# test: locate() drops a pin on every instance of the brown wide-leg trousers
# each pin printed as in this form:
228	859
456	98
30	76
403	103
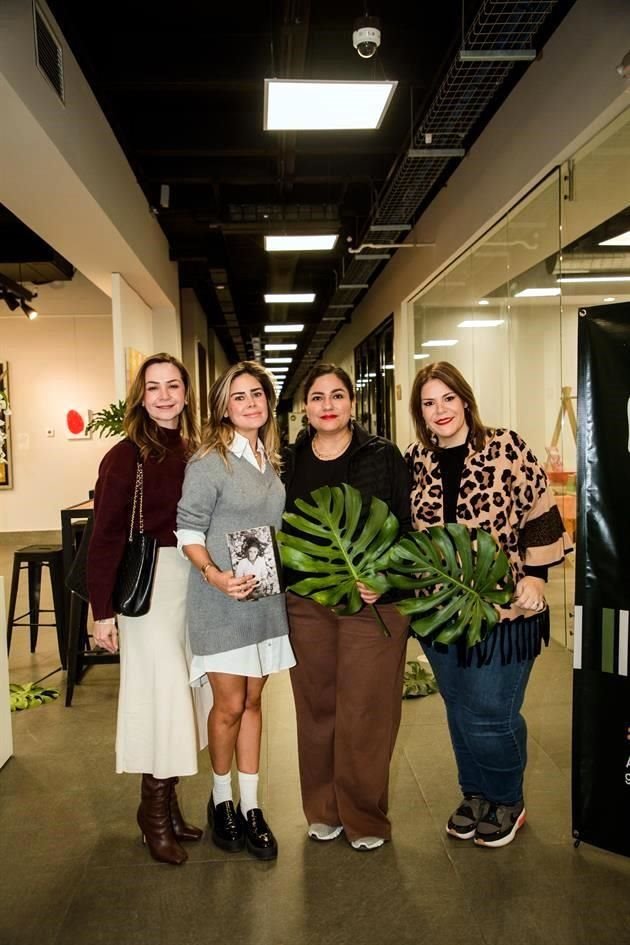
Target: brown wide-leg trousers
347	686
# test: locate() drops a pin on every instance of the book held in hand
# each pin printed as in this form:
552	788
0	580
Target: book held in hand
254	551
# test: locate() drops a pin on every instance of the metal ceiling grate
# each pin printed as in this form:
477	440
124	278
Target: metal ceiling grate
465	93
48	52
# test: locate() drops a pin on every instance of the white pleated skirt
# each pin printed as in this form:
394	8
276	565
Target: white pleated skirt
156	729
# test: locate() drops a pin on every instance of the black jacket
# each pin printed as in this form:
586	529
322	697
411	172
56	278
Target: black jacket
376	468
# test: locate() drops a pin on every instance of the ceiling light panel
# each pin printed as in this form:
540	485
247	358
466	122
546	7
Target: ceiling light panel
300	244
283	328
536	293
481	323
439	343
275	347
278	360
305	105
622	240
289	297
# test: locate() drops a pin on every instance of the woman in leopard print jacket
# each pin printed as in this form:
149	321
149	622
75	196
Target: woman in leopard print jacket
483	478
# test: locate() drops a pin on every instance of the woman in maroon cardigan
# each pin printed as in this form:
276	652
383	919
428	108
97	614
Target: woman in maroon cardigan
156	734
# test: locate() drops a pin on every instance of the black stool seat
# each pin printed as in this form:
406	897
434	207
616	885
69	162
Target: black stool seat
33	558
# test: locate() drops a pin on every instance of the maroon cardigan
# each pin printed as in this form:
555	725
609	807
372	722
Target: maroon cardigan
113	499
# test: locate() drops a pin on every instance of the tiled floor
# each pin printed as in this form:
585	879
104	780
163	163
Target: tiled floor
73	870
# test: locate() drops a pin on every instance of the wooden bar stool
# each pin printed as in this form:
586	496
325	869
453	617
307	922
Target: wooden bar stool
80	654
33	558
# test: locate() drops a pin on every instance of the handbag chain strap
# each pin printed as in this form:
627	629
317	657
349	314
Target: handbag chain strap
137	501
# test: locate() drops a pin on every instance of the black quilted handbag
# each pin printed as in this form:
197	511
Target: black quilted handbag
134	581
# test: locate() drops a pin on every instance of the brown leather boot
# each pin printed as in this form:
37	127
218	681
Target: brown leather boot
154	820
181	829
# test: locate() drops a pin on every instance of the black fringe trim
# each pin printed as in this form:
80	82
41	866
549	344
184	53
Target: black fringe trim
519	640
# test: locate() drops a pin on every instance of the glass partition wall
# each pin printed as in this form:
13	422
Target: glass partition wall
505	313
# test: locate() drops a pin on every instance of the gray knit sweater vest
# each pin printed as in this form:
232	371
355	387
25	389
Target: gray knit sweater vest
217	499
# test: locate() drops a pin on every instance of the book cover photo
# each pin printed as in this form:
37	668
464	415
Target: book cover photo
254	551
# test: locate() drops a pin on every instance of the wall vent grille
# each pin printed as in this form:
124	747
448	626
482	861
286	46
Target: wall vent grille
48	52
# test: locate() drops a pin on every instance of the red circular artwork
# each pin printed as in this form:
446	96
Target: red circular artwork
74	422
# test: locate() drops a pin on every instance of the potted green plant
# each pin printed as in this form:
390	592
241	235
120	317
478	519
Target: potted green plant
109	420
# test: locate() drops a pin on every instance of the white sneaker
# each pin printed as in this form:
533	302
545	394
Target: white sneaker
323	832
367	843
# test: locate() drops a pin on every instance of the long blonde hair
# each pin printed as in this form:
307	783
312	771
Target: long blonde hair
449	375
145	432
218	431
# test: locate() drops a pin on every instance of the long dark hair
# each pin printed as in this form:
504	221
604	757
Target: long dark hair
322	369
449	375
142	429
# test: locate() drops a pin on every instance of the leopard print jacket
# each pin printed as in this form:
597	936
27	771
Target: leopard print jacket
503	490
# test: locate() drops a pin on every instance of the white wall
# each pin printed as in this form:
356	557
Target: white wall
132	321
195	329
54	363
567	95
6	732
75	188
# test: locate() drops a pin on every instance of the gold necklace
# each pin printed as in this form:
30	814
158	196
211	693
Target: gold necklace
327	456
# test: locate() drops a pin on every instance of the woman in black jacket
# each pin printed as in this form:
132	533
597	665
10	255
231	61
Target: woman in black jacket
347	683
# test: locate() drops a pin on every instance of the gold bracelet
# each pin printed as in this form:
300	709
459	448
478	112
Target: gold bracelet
208	564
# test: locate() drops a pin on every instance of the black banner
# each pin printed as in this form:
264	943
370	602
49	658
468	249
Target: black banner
601	684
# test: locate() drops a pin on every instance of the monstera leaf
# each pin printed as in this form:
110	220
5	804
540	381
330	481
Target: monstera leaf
29	695
460	579
109	420
346	554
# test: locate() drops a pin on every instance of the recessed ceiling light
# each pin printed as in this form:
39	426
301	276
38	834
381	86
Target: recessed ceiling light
418	357
305	105
481	323
301	244
283	328
388	367
537	293
622	240
594	279
280	347
439	343
289	297
610	298
278	360
483	302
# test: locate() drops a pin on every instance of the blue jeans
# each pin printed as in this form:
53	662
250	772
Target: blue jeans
488	732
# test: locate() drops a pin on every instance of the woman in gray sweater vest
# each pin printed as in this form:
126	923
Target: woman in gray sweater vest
237	639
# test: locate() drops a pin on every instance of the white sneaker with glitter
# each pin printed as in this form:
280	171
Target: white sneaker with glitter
323	832
367	843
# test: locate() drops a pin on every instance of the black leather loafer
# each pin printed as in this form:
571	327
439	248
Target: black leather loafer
259	839
227	828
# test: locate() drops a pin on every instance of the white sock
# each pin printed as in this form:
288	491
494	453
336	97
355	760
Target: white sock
248	789
221	787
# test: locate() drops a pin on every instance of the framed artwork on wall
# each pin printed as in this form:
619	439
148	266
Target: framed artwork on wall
6	469
77	420
133	360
